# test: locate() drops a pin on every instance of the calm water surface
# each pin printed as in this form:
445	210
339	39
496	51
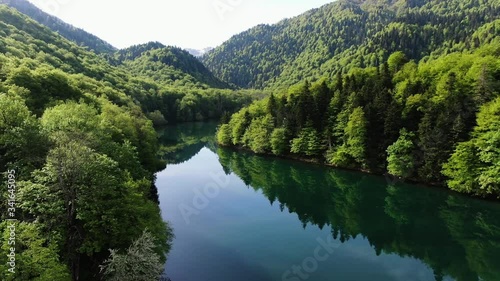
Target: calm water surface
241	217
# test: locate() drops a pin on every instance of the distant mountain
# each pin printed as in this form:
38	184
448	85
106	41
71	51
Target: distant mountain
346	34
133	52
167	64
168	83
77	35
199	53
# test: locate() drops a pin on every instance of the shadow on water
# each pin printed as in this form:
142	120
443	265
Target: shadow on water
455	235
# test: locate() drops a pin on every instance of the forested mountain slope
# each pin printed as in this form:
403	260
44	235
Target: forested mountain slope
169	65
436	121
23	38
79	150
77	35
79	154
347	34
166	65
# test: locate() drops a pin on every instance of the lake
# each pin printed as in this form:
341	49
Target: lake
242	217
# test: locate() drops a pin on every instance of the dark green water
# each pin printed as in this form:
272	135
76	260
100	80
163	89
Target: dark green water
241	217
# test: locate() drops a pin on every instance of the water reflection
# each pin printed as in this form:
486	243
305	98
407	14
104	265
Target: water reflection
458	237
455	235
181	142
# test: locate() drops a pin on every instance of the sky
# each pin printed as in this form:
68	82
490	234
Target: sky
193	24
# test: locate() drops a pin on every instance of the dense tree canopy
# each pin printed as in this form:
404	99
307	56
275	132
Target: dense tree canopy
409	88
346	34
404	118
78	132
474	167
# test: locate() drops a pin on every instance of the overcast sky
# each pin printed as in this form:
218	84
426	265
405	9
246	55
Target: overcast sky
184	23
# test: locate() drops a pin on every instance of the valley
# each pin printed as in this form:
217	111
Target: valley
152	162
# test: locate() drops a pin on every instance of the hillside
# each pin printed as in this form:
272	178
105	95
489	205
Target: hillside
346	34
166	64
24	39
77	35
435	121
77	134
82	152
163	64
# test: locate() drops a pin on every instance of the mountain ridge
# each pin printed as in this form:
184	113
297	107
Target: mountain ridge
78	35
344	35
166	64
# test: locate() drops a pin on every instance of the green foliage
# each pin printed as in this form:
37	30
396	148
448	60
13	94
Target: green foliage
436	100
279	141
340	157
307	142
76	131
39	258
462	169
400	159
355	132
352	153
474	167
239	123
22	144
157	118
396	61
257	136
224	135
348	34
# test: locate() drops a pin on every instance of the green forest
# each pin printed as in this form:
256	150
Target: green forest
79	145
346	34
407	88
436	121
413	94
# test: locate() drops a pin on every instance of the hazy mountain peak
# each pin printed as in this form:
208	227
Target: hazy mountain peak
199	52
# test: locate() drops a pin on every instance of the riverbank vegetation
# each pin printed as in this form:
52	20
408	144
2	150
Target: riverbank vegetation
434	121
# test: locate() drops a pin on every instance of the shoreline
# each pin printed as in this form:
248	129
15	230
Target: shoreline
315	161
